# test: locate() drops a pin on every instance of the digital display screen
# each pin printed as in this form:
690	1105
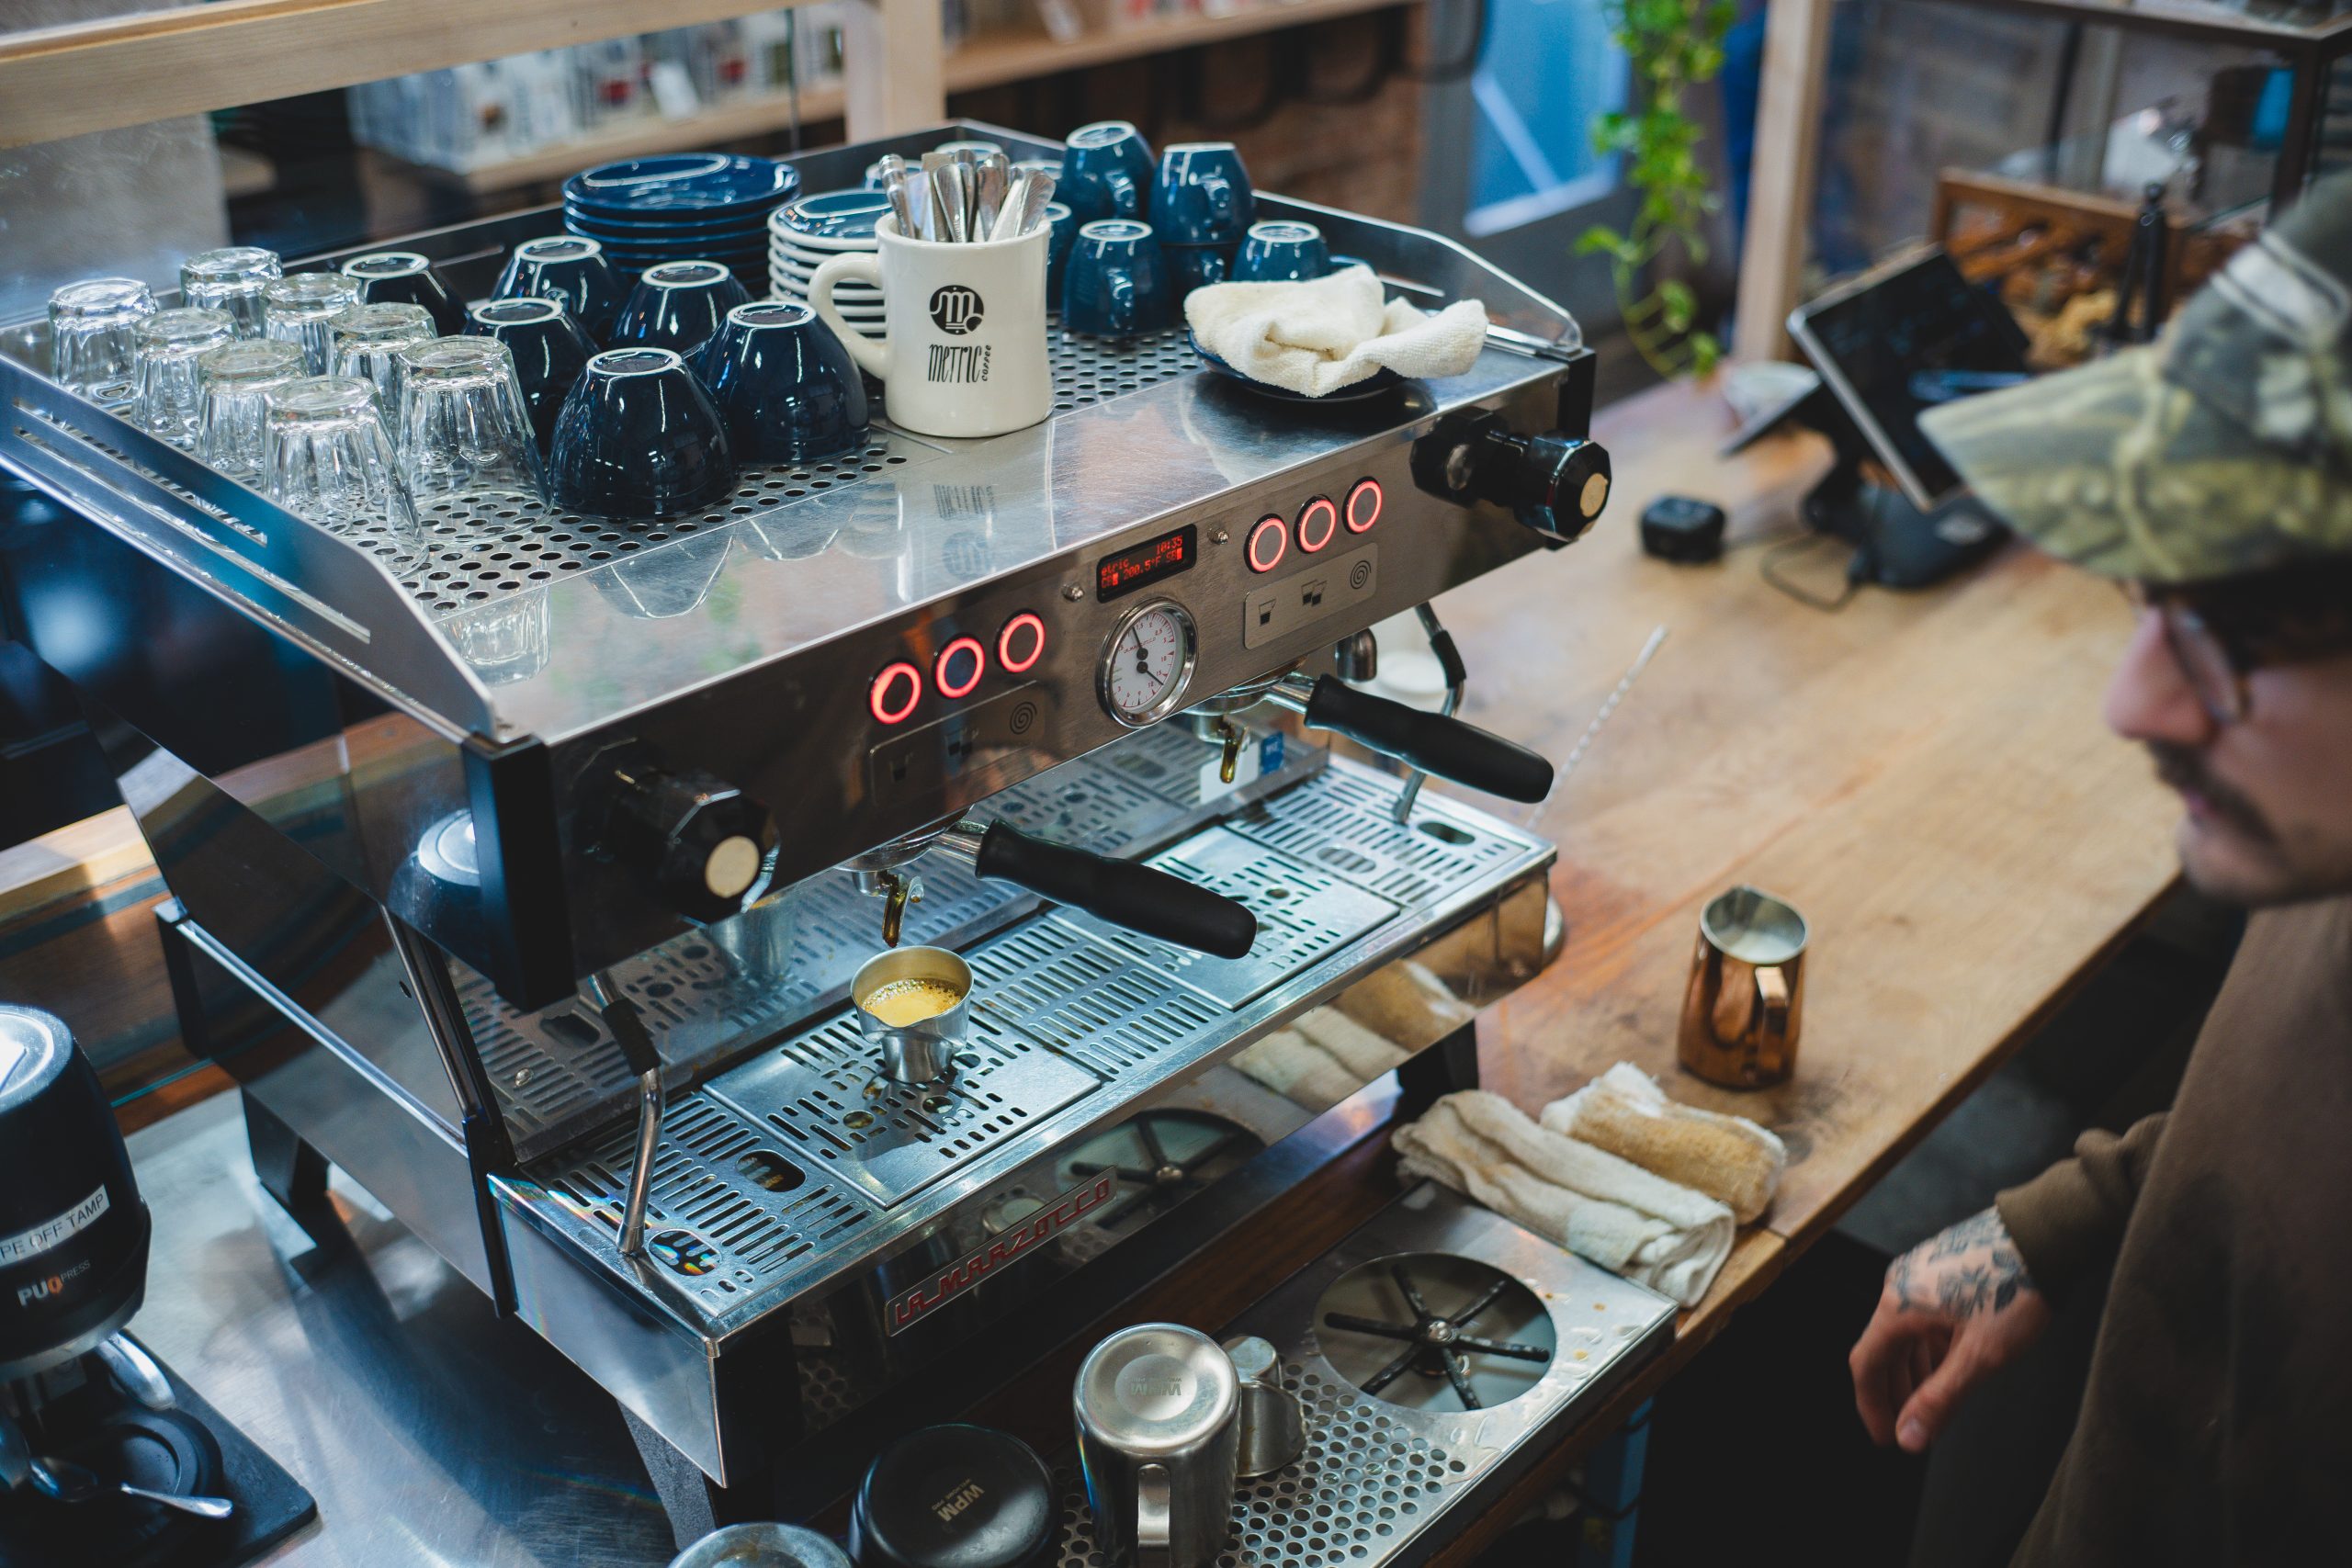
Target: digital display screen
1131	569
1919	337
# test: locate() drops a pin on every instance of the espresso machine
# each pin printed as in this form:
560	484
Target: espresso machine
528	887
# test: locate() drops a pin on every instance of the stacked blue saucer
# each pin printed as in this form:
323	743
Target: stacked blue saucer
680	206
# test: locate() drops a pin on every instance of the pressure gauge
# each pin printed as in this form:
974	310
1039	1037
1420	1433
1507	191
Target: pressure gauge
1148	663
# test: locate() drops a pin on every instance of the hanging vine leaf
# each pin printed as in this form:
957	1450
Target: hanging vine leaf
1671	46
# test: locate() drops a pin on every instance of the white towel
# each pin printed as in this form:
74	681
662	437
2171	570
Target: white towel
1320	1060
1591	1203
1327	333
1729	1159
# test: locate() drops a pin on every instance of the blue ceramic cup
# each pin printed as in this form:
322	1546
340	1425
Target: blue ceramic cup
1106	172
1202	196
1281	251
1117	283
1057	249
549	349
569	268
787	388
638	437
1197	266
404	277
678	306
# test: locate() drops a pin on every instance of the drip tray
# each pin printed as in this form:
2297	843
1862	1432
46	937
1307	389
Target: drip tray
1393	1448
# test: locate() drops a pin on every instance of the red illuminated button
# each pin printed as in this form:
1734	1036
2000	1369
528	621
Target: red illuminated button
1363	506
1021	642
1316	523
957	669
895	693
1268	540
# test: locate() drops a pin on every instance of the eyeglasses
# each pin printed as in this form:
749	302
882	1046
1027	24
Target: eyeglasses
2220	634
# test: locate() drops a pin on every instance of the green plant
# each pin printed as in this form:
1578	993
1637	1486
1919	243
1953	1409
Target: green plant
1672	46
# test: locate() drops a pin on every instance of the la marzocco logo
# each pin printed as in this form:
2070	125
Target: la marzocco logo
911	1306
955	310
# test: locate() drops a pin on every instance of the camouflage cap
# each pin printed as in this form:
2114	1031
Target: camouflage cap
2224	449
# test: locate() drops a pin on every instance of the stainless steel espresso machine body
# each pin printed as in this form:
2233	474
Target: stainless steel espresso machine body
528	886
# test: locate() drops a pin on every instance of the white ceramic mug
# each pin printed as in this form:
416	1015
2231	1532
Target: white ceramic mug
964	346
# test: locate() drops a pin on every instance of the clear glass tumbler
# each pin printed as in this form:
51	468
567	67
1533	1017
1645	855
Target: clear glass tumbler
230	279
301	309
236	380
325	458
89	336
368	340
165	349
465	433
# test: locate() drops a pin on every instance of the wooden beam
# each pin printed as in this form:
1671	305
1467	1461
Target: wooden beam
1780	185
892	59
101	76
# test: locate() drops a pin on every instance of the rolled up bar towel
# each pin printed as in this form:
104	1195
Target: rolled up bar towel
1325	333
1729	1159
1597	1206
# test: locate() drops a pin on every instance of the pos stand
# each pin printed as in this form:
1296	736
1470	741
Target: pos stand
1896	544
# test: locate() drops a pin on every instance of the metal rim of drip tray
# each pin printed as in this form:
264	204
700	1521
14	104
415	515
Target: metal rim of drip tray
1075	1026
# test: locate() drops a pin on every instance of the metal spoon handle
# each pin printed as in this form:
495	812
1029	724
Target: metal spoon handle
203	1508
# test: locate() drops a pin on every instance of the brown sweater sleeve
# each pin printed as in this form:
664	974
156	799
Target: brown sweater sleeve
2068	1221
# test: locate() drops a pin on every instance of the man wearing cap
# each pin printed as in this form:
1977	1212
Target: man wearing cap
2210	476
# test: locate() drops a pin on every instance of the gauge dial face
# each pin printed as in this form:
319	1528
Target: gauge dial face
1148	663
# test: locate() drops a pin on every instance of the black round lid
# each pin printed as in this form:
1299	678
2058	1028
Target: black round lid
954	1497
34	1047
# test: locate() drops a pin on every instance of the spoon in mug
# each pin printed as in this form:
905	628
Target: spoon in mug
65	1482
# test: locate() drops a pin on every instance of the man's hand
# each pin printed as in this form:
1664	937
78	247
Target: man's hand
1955	1307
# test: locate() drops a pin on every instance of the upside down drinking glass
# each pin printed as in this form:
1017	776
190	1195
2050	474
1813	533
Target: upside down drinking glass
230	279
464	429
90	324
237	379
325	458
167	348
301	309
367	341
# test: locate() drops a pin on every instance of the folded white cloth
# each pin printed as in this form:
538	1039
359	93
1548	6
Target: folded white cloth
1729	1159
1327	333
1591	1203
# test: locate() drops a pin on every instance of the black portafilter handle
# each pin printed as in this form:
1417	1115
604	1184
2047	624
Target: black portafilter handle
1444	748
1124	892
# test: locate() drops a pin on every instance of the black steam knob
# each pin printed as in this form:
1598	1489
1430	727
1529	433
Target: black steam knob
702	842
1556	484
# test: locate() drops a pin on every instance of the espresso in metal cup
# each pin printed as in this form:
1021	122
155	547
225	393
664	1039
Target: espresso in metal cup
1746	1002
913	1003
1158	1411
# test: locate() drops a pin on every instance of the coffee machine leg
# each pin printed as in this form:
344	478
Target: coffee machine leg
695	1504
291	1171
1452	1063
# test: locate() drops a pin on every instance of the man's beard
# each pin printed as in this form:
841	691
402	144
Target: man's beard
2184	769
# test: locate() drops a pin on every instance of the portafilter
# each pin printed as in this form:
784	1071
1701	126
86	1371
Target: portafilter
72	1231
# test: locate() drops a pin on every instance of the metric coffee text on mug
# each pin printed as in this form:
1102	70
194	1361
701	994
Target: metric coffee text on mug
1131	569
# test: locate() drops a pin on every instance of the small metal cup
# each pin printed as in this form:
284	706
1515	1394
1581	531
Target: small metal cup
761	1546
1273	1429
921	1052
1745	1003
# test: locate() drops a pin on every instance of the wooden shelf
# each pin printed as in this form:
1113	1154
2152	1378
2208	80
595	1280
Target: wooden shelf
640	138
990	62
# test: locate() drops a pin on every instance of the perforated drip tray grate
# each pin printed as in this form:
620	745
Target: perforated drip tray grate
1072	1023
824	1092
1346	827
1302	915
1380	1468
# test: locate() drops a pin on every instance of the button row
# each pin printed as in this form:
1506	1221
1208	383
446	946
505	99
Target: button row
956	669
1318	522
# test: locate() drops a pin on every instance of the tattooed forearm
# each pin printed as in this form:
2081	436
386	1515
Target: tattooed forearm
1970	1269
